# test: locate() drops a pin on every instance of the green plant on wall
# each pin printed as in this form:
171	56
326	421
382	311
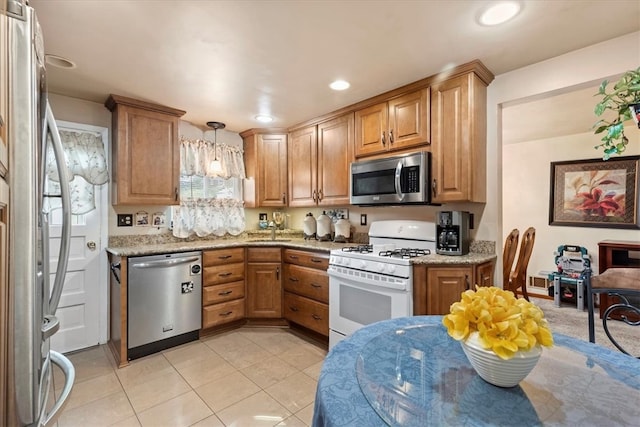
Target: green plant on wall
625	94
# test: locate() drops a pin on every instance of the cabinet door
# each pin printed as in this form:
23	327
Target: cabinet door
147	158
4	97
335	154
303	161
484	274
371	130
272	159
458	140
264	291
444	286
409	120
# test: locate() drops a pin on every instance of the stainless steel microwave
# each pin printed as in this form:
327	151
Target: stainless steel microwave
396	180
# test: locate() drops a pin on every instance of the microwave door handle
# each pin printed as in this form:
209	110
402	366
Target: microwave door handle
398	176
65	238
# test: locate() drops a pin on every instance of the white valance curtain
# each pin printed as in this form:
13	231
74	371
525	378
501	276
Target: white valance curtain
209	216
87	166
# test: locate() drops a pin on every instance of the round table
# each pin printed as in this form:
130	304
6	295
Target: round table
409	372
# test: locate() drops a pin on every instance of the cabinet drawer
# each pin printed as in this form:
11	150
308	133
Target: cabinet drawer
222	313
220	293
222	256
264	255
307	282
223	274
306	312
307	259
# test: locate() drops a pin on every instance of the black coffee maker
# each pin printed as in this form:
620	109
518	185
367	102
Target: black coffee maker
452	232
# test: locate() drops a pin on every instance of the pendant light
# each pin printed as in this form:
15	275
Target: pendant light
216	165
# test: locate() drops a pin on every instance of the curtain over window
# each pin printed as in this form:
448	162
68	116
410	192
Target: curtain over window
87	166
210	190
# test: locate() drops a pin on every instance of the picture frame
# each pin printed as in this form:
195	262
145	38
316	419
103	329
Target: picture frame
142	219
595	193
158	219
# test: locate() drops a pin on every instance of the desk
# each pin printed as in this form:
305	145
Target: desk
421	377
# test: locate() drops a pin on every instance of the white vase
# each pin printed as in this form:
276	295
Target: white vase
497	371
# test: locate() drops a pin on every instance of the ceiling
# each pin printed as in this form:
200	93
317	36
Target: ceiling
231	60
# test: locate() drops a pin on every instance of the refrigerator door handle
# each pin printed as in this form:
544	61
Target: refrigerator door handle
65	238
69	377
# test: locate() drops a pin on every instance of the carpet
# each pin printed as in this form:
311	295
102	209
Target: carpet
567	320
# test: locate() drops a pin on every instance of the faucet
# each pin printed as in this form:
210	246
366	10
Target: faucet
272	226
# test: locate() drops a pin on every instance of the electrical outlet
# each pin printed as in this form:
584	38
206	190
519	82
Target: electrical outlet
363	219
125	220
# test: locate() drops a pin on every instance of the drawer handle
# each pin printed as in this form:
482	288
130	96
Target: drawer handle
228	313
224	257
225	293
293	257
293	308
316	317
315	285
225	274
316	260
294	279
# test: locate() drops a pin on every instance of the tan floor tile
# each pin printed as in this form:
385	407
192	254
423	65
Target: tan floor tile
246	356
204	371
294	392
306	414
103	412
129	422
93	389
226	391
257	410
269	372
183	410
314	370
144	369
301	357
292	421
279	343
211	421
228	341
188	354
94	364
158	390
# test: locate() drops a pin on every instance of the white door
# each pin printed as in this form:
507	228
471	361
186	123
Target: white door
83	308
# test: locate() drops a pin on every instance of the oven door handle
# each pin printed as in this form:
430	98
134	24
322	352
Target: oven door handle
398	176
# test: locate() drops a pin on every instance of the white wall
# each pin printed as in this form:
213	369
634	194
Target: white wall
588	65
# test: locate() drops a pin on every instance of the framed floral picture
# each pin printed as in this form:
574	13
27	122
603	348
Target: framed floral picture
595	193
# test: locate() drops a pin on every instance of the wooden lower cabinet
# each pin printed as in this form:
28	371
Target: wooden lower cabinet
223	286
436	287
306	289
264	288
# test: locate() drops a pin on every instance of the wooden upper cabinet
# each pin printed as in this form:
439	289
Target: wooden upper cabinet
319	159
399	123
458	139
265	158
146	152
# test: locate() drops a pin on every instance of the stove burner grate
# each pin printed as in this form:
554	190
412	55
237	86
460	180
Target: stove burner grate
362	249
405	253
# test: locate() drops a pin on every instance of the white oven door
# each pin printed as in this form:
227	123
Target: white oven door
354	304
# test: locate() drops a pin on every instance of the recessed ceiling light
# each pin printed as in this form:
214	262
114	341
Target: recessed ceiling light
59	61
500	13
264	118
340	85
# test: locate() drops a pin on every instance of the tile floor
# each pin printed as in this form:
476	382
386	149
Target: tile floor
247	377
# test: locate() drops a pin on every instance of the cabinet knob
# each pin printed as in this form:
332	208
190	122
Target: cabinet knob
225	293
177	194
284	199
382	138
316	317
433	187
319	195
293	308
228	313
391	136
277	273
467	285
314	196
315	285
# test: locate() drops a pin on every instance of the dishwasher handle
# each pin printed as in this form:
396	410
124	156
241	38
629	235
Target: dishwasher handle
115	267
164	263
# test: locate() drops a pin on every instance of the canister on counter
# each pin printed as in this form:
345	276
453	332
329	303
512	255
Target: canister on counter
323	227
309	227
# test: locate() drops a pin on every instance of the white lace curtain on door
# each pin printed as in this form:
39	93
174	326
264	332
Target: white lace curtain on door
204	210
87	167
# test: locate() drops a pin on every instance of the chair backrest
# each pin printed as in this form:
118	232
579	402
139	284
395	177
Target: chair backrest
509	255
519	276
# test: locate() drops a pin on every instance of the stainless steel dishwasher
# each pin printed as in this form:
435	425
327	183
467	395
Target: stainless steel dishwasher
164	304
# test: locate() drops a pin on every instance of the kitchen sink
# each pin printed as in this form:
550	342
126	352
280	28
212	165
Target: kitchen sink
269	240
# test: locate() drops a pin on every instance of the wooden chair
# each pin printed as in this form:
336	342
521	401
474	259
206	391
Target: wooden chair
518	278
509	255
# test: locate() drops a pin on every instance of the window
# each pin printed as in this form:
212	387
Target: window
199	187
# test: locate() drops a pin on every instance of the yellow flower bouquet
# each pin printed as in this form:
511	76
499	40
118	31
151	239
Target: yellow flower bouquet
505	324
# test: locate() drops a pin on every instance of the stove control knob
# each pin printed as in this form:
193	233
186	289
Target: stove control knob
391	268
345	261
380	267
362	264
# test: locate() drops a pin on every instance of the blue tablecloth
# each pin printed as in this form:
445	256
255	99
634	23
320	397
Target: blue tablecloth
420	376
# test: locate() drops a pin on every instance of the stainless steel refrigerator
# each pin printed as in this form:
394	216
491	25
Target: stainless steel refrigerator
33	300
